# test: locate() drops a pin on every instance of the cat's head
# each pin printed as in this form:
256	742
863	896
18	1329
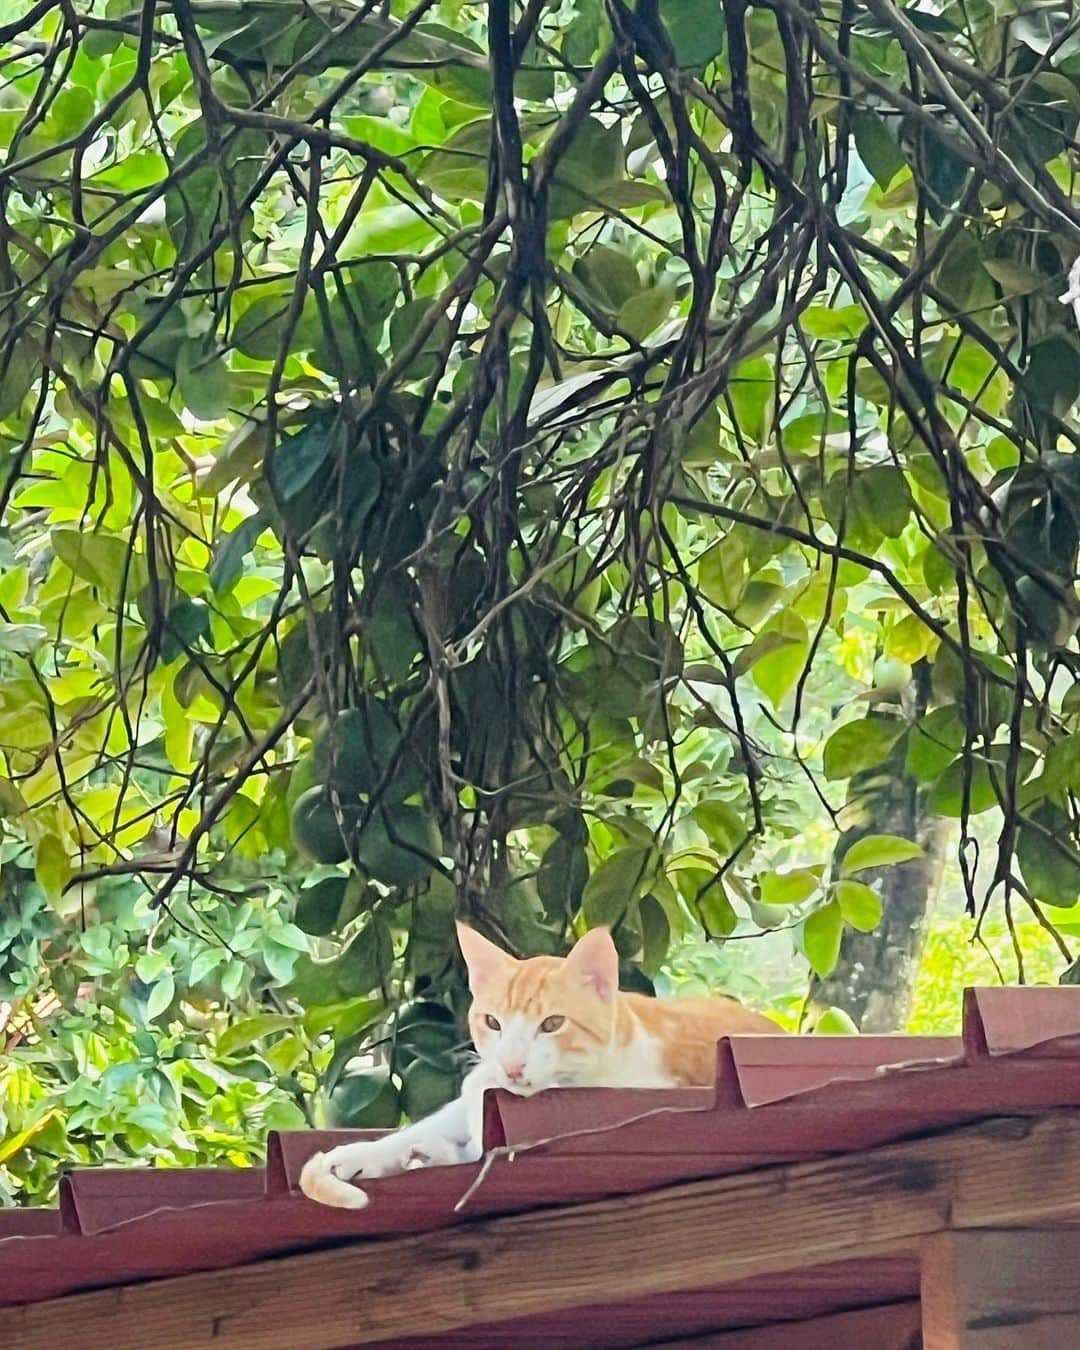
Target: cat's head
543	1022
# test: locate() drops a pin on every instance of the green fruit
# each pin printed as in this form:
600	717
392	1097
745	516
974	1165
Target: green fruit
891	673
315	829
395	845
425	1087
365	1101
365	963
304	776
355	754
318	907
572	580
1048	620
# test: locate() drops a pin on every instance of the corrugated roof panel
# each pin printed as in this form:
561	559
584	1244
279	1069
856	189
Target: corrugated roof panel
777	1099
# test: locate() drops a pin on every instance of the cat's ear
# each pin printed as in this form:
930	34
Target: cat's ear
595	962
483	959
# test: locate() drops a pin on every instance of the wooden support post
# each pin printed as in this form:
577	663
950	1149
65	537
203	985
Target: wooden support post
1001	1289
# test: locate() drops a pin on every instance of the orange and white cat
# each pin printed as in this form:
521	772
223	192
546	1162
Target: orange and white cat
547	1022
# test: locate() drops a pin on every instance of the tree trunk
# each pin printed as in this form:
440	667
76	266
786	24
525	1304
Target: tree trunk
875	976
874	979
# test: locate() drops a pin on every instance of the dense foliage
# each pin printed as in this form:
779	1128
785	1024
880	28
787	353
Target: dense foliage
521	461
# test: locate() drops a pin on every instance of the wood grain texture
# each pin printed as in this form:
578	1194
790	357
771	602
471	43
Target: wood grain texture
1002	1290
892	1327
995	1174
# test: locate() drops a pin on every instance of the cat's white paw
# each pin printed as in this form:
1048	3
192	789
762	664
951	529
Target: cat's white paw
327	1176
320	1180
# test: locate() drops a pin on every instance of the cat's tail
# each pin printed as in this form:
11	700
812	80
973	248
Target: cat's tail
320	1182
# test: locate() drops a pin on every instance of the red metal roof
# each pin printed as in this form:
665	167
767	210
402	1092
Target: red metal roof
777	1099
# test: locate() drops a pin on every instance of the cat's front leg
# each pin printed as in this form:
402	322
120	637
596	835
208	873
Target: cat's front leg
450	1135
327	1177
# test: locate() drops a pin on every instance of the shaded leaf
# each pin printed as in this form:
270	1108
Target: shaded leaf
788	888
822	933
859	745
878	850
860	906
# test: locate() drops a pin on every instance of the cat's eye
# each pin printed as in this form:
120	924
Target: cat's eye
492	1022
550	1024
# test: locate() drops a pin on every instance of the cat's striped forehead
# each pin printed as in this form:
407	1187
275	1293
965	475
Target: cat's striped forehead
529	988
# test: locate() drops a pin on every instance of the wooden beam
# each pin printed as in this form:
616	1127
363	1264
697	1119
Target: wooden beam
995	1174
893	1326
999	1290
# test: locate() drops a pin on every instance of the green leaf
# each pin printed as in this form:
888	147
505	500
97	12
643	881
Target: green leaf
1047	853
202	380
696	29
242	1035
822	933
788	888
655	934
344	1019
404	323
877	146
52	867
15	1143
988	778
365	963
710	899
589	171
751	391
646	311
1013	277
609	274
151	965
22	639
933	743
722	572
859	745
835	1022
185	624
70	111
161	996
777	674
945	173
259	330
105	560
909	640
844	322
614	885
296	461
878	850
203	965
318	906
1051	380
425	1086
724	826
765	645
230	552
562	877
860	906
880	501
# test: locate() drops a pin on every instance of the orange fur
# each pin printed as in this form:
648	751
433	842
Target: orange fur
600	1030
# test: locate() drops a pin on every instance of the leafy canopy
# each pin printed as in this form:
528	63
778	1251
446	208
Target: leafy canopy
511	461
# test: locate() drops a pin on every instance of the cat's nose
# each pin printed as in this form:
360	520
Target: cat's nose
514	1069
